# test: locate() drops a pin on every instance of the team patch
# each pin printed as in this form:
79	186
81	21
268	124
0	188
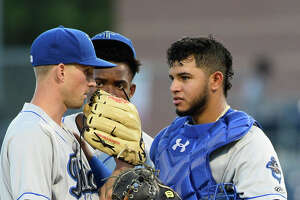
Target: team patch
274	167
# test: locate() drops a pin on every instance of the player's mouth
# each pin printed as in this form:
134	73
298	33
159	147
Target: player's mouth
177	100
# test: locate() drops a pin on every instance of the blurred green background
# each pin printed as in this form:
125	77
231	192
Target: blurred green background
21	22
24	20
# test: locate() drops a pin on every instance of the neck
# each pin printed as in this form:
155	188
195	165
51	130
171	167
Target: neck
213	111
48	99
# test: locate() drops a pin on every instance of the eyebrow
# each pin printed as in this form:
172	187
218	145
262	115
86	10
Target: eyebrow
180	74
100	79
121	81
183	73
105	79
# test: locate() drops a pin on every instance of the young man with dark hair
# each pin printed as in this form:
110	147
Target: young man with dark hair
117	81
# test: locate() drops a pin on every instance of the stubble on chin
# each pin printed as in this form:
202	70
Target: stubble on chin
196	108
182	113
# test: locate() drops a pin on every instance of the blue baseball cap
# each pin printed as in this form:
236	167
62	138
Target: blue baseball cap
112	36
65	45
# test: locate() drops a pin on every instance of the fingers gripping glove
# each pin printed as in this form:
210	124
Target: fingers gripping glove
114	127
141	184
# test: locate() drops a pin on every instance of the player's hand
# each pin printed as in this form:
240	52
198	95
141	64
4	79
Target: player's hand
114	127
105	192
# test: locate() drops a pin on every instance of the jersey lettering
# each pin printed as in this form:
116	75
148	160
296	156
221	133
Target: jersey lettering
84	178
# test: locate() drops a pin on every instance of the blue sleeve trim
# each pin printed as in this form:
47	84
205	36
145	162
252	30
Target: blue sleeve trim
99	170
40	195
106	159
264	195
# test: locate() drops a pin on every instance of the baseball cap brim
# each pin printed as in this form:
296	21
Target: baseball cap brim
97	63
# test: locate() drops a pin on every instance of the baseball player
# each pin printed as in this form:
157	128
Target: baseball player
40	158
212	151
117	81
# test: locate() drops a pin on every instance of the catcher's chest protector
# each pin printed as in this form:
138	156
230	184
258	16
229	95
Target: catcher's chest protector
184	164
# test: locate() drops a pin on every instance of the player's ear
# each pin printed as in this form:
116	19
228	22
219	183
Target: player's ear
132	90
216	80
60	72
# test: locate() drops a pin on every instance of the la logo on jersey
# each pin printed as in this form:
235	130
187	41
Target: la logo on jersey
180	145
85	183
273	165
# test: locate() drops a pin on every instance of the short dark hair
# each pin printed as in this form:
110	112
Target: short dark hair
115	51
208	53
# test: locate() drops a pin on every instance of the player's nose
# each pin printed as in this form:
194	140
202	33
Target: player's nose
110	89
92	83
175	86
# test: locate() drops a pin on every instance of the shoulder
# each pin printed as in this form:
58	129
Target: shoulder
256	139
255	154
25	126
27	135
250	144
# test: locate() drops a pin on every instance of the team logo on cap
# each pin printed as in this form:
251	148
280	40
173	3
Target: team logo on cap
107	34
273	165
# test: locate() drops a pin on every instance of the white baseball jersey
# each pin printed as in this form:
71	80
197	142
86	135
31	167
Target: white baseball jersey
109	161
252	164
40	160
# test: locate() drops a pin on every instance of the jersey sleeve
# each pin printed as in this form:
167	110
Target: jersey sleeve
257	171
100	171
30	160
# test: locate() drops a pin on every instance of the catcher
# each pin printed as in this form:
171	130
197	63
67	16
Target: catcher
113	126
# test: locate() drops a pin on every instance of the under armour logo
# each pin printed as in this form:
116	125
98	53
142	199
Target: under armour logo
178	144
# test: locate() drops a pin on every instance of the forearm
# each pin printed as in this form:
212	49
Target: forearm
100	171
